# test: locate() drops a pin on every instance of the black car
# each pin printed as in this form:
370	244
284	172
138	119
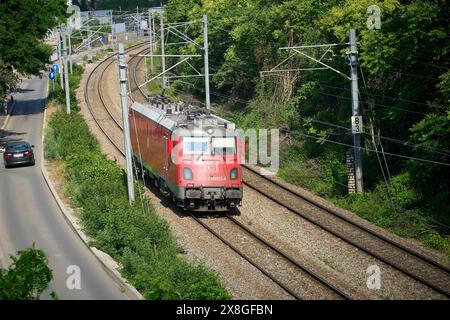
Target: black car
18	152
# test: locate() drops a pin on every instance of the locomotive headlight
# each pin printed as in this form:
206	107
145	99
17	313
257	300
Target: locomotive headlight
187	174
234	173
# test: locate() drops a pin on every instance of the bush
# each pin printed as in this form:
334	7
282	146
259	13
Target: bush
436	241
67	135
28	276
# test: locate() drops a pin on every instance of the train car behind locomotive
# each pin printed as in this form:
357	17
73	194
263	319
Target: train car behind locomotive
192	156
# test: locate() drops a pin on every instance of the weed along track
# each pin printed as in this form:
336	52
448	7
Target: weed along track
297	279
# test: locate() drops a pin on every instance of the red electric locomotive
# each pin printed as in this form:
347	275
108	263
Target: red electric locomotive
192	156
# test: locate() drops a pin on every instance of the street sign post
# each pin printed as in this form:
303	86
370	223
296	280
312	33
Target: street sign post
52	76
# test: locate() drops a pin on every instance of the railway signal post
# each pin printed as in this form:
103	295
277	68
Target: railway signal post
126	124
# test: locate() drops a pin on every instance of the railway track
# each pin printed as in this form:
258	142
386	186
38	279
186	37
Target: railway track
292	268
431	273
415	265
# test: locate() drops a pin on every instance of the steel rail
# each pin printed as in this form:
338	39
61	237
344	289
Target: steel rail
347	240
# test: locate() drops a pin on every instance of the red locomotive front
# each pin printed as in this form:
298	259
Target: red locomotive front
195	158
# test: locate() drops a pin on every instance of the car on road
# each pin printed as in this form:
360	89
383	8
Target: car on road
18	152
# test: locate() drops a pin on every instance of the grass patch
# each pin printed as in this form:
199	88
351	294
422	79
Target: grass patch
333	265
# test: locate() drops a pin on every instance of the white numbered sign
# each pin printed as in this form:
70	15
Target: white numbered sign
357	125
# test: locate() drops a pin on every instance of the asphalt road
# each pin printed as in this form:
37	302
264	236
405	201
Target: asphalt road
29	213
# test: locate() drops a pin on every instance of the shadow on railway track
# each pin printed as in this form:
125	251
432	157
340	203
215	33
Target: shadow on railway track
168	203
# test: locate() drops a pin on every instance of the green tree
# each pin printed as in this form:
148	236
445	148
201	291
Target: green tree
23	25
27	277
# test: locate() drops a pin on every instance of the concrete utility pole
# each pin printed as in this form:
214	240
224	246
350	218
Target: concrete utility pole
150	33
70	52
205	47
356	112
138	17
66	71
154	32
163	57
126	124
112	26
58	39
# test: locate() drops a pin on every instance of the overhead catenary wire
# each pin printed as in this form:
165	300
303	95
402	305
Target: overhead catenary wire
377	95
393	140
371	150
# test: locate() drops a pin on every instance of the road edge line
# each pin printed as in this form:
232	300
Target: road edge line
71	220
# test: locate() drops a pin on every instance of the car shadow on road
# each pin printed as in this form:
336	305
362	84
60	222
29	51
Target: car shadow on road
4	134
20	90
28	107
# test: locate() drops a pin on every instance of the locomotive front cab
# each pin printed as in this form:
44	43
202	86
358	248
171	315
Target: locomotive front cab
210	171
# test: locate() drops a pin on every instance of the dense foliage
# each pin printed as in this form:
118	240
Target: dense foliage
124	5
23	25
27	277
404	83
133	235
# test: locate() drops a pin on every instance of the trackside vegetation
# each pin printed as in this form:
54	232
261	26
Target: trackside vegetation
135	235
404	82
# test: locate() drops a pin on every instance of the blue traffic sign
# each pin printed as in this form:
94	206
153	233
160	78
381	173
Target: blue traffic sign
55	68
101	39
51	75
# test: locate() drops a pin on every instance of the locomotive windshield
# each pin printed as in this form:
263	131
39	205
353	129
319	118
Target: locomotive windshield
209	145
223	146
196	145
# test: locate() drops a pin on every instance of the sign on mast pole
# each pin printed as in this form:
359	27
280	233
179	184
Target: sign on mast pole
126	124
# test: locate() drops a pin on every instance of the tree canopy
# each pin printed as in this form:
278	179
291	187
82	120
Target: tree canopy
27	277
23	26
404	82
